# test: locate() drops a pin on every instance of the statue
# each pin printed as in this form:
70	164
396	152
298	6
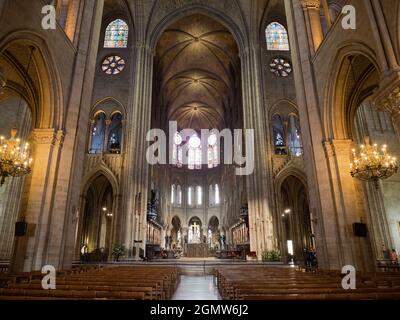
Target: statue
152	206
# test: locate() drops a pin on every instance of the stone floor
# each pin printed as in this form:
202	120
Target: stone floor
196	288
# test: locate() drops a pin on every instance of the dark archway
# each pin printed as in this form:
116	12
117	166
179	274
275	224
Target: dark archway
297	234
95	234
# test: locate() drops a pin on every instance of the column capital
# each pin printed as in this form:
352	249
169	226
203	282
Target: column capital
389	100
311	4
47	136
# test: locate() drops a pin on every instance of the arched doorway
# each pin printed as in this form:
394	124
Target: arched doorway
297	234
29	103
353	117
95	236
213	233
176	234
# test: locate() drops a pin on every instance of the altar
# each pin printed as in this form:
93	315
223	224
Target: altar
197	250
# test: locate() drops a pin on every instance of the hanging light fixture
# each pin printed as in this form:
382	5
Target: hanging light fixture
372	163
15	159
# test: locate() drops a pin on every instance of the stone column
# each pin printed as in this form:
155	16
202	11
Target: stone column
136	180
313	19
349	202
318	174
30	251
71	161
91	127
379	18
106	136
262	236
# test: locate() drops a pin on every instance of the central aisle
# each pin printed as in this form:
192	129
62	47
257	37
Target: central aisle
196	288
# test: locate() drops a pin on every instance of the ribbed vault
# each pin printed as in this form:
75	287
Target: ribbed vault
196	68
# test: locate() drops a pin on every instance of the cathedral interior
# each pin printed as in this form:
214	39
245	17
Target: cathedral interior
307	93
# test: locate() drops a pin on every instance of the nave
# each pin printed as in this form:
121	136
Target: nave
227	282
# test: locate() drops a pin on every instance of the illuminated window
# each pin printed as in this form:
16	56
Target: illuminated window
113	65
115	134
173	194
280	67
116	34
194	152
277	37
179	195
194	156
98	134
177	150
217	200
213	159
295	144
279	135
189	201
199	196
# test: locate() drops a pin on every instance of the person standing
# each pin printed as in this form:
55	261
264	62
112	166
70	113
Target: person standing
393	257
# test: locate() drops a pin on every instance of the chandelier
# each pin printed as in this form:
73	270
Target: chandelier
15	160
372	163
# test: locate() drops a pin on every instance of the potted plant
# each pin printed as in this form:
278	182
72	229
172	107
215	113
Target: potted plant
119	251
271	255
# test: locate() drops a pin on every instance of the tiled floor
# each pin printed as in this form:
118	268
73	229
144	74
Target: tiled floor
196	288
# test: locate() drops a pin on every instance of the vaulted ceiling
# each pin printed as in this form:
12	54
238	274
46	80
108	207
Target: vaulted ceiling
196	68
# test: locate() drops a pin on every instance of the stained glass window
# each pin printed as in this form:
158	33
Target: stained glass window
115	135
216	194
116	35
199	195
98	134
179	195
279	135
173	194
113	65
277	37
280	67
295	144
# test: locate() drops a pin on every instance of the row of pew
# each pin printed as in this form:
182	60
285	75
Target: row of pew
280	283
124	282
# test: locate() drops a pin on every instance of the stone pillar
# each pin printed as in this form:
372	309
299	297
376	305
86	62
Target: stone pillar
136	180
379	18
184	239
31	249
71	161
318	174
106	136
91	128
259	186
349	202
313	19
